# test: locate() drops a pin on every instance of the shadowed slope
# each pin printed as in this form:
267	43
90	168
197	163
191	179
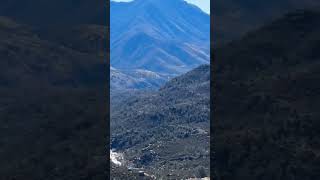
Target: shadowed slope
265	108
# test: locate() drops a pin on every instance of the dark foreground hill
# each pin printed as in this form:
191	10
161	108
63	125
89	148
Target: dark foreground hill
52	110
266	116
166	133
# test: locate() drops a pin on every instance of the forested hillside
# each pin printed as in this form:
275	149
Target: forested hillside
53	105
266	117
166	133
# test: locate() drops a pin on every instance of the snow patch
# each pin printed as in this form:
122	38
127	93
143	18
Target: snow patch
116	158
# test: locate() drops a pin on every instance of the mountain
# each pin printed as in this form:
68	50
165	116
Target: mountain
51	93
265	117
170	136
168	19
168	37
234	18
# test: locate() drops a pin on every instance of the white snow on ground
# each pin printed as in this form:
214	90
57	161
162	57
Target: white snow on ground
116	158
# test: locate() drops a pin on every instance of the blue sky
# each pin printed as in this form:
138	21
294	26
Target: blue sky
203	4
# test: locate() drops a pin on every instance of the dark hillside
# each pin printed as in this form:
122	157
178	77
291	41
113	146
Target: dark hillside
53	107
266	102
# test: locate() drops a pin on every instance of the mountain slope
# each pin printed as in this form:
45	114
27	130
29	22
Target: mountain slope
266	117
167	19
171	132
168	37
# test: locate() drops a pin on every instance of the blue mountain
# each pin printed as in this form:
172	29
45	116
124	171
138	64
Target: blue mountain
168	37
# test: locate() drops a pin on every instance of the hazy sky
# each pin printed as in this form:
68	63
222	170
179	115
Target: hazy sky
203	4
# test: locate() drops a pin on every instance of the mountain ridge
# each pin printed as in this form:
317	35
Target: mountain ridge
168	38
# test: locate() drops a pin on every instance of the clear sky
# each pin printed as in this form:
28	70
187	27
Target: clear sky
203	4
